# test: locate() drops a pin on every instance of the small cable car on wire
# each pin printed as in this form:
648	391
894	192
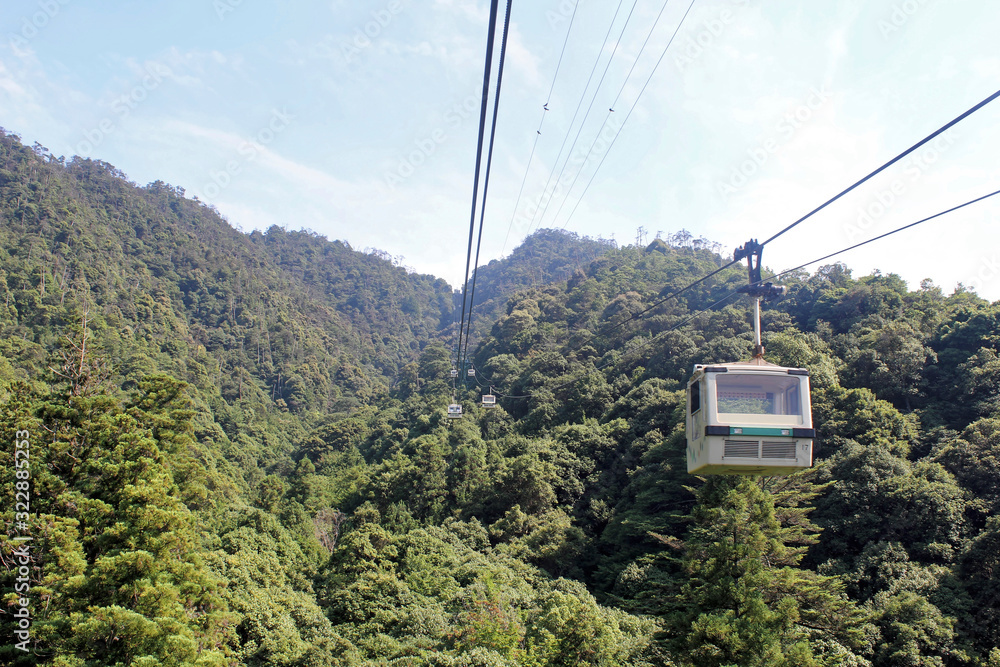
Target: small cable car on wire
454	411
471	372
489	400
749	418
454	372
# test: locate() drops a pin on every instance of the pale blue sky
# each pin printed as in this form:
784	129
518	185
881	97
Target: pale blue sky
358	119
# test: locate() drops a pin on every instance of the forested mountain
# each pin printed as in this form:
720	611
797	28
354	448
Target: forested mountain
239	453
545	257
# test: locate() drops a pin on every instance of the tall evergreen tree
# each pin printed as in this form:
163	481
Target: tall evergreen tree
745	601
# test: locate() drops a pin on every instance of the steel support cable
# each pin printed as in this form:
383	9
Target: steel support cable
620	128
590	107
562	52
777	275
615	102
671	296
638	55
852	187
486	179
815	261
541	121
579	105
825	257
888	164
869	176
651	340
673	328
491	37
830	201
517	202
814	211
890	233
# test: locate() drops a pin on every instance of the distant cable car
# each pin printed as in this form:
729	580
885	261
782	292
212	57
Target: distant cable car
454	372
454	411
489	401
472	372
751	418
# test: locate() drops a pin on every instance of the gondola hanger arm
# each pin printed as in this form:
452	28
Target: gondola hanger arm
756	287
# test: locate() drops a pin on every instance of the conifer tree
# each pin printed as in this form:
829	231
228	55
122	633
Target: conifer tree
745	601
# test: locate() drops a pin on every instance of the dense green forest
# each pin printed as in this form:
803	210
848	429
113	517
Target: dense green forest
239	453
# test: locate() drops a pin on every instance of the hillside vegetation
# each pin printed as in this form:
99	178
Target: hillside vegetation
239	453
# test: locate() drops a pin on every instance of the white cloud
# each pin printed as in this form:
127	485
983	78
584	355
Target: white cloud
468	9
524	62
14	92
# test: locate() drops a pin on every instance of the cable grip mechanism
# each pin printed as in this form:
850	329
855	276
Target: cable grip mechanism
757	288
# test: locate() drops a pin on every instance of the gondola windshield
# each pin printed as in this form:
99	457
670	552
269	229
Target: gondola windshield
758	398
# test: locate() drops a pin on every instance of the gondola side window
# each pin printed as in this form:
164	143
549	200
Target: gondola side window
758	395
694	394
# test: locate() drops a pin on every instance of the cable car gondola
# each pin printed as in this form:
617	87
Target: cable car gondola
489	401
454	372
472	372
749	418
454	411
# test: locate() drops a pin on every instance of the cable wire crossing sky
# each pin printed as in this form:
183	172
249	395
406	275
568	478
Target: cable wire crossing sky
358	120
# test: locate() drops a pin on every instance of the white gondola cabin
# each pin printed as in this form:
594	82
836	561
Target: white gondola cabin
454	411
472	372
489	401
454	372
749	418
